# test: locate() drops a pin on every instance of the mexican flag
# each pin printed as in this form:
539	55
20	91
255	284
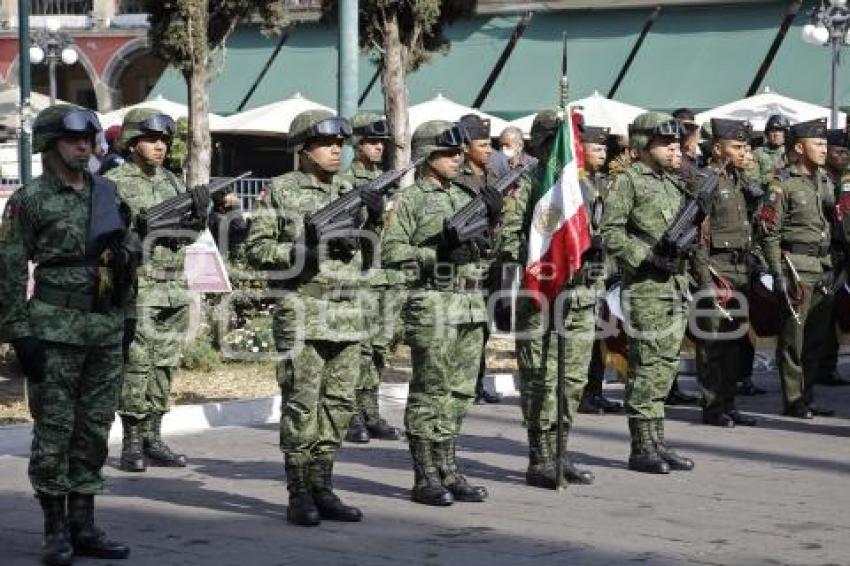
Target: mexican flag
559	230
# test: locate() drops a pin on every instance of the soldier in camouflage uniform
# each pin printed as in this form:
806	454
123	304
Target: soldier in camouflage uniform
594	186
771	155
160	319
723	255
644	202
537	351
318	323
67	337
370	135
474	173
794	231
445	313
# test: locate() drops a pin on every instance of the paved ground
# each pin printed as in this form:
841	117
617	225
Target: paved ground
777	494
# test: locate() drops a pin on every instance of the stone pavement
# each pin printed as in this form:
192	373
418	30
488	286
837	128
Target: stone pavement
776	494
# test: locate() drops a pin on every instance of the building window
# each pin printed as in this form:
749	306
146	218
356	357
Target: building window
131	7
61	7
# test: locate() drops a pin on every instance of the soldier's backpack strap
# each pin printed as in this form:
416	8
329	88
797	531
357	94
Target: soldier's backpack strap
172	178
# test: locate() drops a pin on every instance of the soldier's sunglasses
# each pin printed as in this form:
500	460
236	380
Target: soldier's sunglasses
452	137
81	121
161	124
379	129
331	127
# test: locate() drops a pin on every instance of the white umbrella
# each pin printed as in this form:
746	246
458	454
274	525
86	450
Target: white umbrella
173	109
597	111
441	108
269	120
757	109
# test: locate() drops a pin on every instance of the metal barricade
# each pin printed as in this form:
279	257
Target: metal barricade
249	190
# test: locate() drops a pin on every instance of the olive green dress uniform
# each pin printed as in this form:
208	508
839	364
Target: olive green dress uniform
793	224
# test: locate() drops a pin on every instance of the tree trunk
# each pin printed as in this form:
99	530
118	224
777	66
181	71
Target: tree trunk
395	90
198	80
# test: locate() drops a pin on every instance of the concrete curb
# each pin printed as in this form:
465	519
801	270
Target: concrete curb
183	419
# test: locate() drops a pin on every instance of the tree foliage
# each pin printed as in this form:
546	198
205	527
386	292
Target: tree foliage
421	24
170	32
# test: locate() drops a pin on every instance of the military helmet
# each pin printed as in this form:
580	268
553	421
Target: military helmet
313	124
140	122
60	120
435	135
777	122
368	125
543	128
650	125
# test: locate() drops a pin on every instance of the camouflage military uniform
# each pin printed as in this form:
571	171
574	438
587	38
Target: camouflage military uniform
67	337
444	321
768	159
793	223
642	205
537	353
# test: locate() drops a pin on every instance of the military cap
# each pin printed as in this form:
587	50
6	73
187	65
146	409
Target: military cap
809	129
543	127
314	124
836	138
145	121
737	130
368	125
436	135
476	127
650	125
595	134
60	120
687	118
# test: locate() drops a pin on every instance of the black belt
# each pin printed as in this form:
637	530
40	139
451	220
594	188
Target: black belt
816	250
733	255
64	299
460	284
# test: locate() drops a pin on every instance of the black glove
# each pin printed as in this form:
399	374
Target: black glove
826	281
662	263
128	251
449	250
30	355
374	202
200	201
493	201
342	248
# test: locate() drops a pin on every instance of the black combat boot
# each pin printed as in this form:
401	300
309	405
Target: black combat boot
678	397
676	461
427	487
57	550
302	509
357	431
330	506
377	426
132	455
645	456
452	479
571	473
541	461
157	451
598	404
87	539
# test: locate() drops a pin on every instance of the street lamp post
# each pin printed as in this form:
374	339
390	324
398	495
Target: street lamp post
829	24
51	45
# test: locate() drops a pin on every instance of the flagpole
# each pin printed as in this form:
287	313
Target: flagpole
556	324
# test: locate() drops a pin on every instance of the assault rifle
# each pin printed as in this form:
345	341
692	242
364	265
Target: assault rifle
168	214
342	217
470	223
680	237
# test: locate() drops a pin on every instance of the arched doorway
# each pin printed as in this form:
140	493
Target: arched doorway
73	83
132	72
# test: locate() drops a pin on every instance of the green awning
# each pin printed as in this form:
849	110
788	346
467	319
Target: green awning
695	56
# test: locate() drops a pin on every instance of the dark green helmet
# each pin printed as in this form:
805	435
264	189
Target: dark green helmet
61	120
368	125
435	135
145	121
650	125
313	124
542	129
